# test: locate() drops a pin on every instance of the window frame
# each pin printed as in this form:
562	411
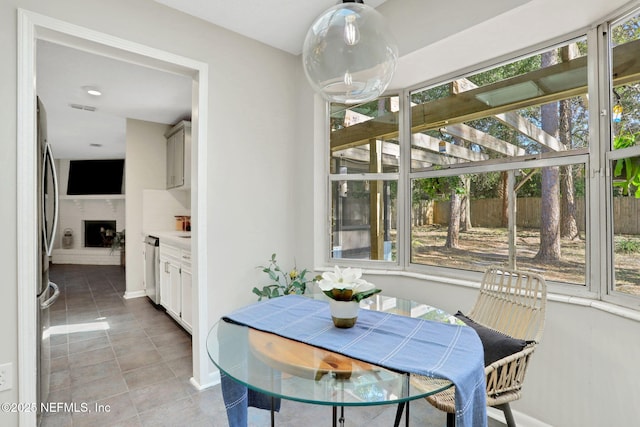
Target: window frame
577	157
608	293
367	176
596	159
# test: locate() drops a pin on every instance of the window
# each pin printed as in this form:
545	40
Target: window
624	157
519	164
364	176
473	144
485	235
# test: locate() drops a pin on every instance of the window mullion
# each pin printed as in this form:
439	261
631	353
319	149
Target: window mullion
601	273
404	187
599	88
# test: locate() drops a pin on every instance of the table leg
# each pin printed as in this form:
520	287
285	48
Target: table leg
402	405
399	411
273	417
337	420
406	416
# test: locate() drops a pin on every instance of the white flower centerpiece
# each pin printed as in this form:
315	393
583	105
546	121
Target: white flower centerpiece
346	289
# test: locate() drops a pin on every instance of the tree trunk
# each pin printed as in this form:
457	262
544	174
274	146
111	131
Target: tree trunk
550	208
502	193
568	225
453	232
568	222
550	221
465	207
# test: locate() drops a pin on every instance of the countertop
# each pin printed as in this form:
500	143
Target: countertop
180	239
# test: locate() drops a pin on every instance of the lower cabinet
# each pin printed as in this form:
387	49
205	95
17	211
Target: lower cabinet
167	265
175	284
187	298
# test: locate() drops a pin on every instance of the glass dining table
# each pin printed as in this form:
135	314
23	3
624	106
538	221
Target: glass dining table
286	369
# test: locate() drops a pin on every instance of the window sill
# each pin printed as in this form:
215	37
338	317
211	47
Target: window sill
607	307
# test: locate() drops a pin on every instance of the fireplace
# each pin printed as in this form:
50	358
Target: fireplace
89	218
99	234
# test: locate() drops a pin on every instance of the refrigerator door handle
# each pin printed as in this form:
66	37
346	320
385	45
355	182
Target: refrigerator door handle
49	302
48	157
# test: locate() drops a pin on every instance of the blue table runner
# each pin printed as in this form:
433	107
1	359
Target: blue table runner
401	343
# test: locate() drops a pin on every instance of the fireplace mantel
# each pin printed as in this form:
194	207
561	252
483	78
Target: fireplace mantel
94	197
92	256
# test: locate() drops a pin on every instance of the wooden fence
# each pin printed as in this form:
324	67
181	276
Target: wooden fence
488	213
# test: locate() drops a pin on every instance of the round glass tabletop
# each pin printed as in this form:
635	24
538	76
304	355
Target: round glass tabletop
292	370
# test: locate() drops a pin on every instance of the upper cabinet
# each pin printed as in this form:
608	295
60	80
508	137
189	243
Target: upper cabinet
179	156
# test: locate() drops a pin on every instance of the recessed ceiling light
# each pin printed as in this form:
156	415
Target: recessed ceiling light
92	90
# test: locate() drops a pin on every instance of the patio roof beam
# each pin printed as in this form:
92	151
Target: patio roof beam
554	83
475	136
423	141
517	122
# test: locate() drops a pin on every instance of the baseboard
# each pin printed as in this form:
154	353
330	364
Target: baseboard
521	419
214	379
134	294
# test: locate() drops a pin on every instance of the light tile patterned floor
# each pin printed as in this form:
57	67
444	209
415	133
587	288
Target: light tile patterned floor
134	359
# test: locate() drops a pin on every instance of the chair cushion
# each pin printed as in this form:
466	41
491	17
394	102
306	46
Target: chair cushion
496	344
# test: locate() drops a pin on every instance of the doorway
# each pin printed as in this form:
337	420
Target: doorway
31	28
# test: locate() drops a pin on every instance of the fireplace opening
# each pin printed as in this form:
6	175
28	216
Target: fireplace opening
99	234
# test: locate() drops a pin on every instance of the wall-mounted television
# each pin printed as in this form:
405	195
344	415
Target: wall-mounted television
88	177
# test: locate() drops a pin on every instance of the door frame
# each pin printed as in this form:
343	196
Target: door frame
31	28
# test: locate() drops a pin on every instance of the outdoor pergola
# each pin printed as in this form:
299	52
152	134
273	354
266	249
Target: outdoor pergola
362	142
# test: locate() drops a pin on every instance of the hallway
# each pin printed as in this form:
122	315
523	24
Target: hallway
126	354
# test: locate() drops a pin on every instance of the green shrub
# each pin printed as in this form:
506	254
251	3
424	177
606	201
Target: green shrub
628	246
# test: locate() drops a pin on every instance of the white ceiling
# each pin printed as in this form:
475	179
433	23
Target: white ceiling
128	91
279	23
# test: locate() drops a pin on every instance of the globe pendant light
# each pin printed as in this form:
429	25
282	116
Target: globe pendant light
349	55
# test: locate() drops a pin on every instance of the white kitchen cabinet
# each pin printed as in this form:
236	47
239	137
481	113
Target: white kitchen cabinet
174	279
165	283
175	284
187	290
170	279
179	156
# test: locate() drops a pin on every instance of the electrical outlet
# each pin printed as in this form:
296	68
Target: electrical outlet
6	376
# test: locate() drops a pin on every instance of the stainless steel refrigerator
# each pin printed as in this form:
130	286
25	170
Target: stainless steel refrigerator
47	292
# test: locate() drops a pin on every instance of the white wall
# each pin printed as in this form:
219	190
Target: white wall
250	145
145	164
8	211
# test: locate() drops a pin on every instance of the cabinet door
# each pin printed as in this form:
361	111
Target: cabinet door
144	270
175	285
165	283
187	299
175	159
171	174
178	158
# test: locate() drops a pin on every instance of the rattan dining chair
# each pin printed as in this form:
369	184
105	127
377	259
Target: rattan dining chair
512	303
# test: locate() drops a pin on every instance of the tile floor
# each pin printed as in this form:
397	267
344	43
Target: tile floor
128	356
